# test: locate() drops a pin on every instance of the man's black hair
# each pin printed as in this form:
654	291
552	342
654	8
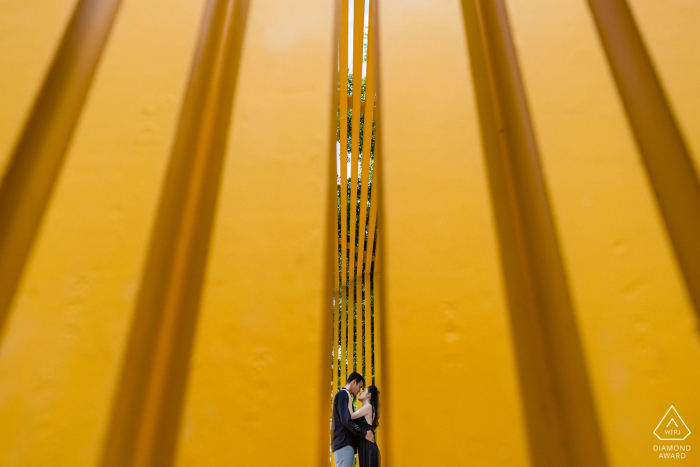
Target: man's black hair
355	376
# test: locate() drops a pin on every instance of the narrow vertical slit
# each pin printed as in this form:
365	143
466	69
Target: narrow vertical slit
146	416
354	206
40	150
560	413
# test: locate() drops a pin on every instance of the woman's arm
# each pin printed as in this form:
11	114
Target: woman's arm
362	411
345	415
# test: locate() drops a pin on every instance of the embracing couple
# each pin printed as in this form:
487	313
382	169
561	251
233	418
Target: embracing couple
354	431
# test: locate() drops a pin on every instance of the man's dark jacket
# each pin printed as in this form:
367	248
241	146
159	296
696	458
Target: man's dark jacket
344	428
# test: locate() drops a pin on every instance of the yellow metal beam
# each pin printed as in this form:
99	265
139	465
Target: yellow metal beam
343	156
371	278
365	315
362	104
355	348
559	407
337	314
668	163
147	410
67	330
262	339
671	36
377	346
29	39
634	315
40	149
444	322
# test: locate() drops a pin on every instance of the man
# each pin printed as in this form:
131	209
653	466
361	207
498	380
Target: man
344	428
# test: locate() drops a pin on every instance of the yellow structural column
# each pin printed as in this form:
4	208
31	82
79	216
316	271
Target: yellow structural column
29	37
362	241
371	284
444	322
378	380
39	150
261	358
671	36
345	363
66	332
355	302
637	326
337	314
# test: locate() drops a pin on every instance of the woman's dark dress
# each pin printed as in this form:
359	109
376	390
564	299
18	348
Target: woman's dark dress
367	451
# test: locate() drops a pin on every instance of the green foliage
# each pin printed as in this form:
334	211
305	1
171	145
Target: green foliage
361	164
367	290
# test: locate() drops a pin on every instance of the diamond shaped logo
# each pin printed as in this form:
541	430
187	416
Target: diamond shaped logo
671	427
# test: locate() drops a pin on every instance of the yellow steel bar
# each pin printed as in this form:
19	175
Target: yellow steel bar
371	228
29	37
333	241
337	310
447	294
59	379
371	306
378	380
347	245
362	104
357	51
343	156
376	328
373	209
671	36
561	416
39	151
144	426
635	317
364	315
666	157
264	314
351	322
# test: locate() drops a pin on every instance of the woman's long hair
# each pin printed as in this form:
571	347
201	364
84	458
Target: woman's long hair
374	402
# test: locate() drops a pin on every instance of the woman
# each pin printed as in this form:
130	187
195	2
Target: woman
367	417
